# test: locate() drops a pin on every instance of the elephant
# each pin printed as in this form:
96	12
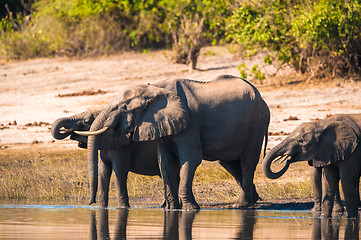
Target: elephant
332	144
136	157
316	181
225	119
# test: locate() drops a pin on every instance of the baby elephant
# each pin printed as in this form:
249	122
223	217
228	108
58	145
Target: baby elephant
333	144
136	157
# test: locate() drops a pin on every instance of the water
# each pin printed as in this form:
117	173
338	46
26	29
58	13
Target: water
83	222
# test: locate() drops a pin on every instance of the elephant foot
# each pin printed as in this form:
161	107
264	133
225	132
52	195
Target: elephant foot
337	208
164	204
256	197
242	202
316	208
92	200
240	205
123	205
102	206
171	205
190	206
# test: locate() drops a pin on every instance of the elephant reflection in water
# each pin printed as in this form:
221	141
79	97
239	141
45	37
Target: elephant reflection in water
173	219
101	230
328	228
177	224
246	226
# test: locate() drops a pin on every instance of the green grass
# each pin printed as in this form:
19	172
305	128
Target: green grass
38	173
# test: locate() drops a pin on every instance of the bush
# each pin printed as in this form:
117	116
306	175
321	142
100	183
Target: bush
88	27
316	37
84	28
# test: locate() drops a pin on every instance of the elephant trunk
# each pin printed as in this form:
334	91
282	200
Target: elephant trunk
93	147
268	160
67	123
93	167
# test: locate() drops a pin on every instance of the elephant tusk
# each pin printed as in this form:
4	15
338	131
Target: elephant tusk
279	158
91	133
286	158
66	130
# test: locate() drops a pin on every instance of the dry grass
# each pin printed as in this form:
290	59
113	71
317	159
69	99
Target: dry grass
38	173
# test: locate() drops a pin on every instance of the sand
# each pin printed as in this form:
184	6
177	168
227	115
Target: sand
36	92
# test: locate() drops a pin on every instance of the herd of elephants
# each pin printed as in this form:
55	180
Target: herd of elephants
167	128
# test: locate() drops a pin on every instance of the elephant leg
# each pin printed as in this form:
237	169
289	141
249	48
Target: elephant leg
249	195
234	168
169	167
190	157
330	180
121	170
105	171
338	205
349	182
316	181
185	185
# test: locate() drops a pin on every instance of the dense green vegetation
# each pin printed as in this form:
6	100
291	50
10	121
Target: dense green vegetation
316	37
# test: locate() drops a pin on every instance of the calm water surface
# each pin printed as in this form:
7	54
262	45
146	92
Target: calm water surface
83	222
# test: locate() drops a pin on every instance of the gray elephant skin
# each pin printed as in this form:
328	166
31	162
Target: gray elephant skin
316	181
331	144
225	119
136	157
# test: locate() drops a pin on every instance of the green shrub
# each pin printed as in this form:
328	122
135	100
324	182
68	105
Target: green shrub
316	37
88	27
84	28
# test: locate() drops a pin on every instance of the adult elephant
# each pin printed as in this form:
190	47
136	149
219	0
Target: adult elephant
136	157
331	143
225	119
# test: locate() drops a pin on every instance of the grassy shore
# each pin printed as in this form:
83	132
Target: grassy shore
39	173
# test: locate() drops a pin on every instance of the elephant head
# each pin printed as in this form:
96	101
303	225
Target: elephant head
321	142
63	127
140	113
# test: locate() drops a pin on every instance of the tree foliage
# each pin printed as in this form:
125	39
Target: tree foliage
316	37
89	27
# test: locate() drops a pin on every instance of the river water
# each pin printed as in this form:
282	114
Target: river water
20	221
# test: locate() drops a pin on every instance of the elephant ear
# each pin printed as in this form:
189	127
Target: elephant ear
336	142
159	113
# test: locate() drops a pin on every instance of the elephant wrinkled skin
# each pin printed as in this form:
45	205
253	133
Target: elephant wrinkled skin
225	119
332	144
136	157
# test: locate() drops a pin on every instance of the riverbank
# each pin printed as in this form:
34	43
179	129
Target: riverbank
40	173
34	93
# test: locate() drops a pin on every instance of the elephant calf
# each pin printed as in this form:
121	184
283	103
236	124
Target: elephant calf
332	144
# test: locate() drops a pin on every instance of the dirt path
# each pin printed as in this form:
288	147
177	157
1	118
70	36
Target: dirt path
36	92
